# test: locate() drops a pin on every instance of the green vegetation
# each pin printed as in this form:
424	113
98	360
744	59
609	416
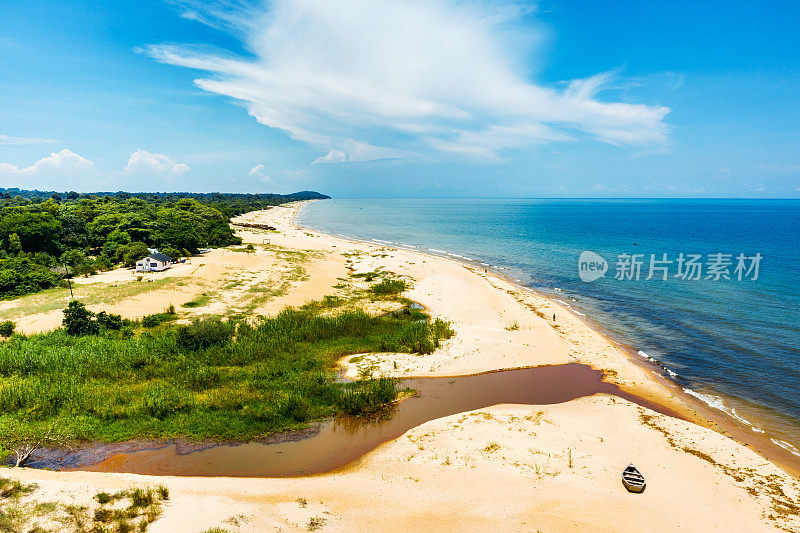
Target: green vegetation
80	321
388	287
7	328
155	320
210	379
367	276
42	242
200	301
124	511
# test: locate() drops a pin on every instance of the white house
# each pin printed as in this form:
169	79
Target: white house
153	263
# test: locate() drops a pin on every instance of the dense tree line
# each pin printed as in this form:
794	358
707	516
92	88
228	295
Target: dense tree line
42	240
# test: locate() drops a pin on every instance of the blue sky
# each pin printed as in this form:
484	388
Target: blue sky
402	99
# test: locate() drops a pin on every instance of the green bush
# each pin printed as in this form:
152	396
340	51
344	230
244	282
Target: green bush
366	396
109	321
204	333
78	319
407	313
154	320
389	286
7	328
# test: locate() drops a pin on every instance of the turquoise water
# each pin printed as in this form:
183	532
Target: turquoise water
732	343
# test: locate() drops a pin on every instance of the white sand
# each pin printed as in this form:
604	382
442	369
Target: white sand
555	468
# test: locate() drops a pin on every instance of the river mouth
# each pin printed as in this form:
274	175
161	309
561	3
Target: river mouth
336	443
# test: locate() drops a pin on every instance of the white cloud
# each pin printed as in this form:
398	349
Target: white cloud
258	172
20	141
64	162
144	163
334	156
59	171
385	79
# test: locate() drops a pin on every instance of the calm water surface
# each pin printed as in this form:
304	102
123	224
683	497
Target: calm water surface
733	343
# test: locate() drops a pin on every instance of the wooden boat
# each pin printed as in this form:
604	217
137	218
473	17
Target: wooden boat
633	479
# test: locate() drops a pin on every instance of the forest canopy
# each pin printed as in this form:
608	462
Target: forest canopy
43	239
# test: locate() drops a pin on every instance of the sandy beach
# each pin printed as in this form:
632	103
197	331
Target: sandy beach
501	468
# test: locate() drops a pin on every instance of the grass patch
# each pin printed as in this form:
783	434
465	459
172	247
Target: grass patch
388	287
155	320
366	276
13	488
127	510
207	380
200	301
89	293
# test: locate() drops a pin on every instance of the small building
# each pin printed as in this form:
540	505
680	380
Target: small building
153	263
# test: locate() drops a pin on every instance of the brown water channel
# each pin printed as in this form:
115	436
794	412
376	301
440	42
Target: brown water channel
338	442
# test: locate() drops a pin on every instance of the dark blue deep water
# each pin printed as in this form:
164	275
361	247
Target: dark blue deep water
728	341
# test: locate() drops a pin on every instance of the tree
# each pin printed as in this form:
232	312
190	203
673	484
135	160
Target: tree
174	253
78	319
133	252
7	328
14	244
38	231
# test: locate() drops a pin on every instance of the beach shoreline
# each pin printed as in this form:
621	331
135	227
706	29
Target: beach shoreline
691	406
510	467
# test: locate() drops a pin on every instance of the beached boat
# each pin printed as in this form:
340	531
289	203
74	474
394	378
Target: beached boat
633	479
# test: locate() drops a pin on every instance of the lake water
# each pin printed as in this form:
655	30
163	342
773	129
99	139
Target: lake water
731	342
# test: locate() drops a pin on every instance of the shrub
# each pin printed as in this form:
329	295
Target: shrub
367	395
442	329
156	319
109	321
204	333
142	497
408	313
389	286
368	276
78	319
7	328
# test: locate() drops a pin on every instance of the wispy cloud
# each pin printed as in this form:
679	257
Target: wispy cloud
149	164
259	173
385	79
21	141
